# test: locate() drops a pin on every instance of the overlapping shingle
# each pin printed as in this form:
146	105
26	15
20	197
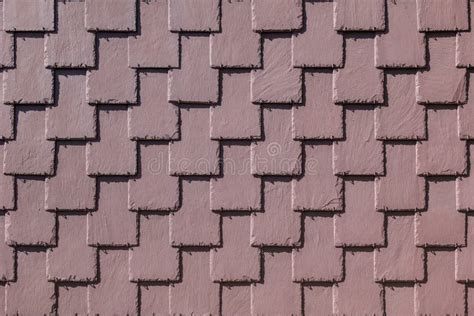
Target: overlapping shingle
236	157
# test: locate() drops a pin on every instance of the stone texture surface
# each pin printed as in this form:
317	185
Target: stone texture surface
237	157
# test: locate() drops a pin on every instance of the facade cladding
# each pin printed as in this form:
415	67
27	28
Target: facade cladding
236	157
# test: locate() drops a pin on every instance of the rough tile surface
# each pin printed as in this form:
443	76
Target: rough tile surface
237	157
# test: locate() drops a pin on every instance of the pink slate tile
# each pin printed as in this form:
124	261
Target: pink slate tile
102	84
277	81
400	260
19	228
110	15
464	257
236	260
359	81
29	153
154	189
235	46
32	293
319	241
114	278
318	106
441	224
154	247
442	15
360	225
29	82
236	157
112	224
235	103
71	188
278	224
27	15
359	15
153	35
245	188
440	265
278	295
358	293
431	88
71	117
319	36
154	118
277	15
195	81
400	46
196	294
194	16
72	259
71	46
7	255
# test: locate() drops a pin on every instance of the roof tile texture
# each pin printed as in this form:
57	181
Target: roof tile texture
236	157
